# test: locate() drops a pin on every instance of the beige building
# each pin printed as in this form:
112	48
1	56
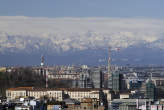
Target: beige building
14	93
124	95
51	93
108	93
58	93
3	69
80	93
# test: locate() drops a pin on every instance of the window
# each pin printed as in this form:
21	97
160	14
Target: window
9	94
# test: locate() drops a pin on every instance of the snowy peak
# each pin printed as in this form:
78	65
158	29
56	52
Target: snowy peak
77	34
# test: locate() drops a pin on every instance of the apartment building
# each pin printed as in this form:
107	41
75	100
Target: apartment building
74	76
80	93
13	93
57	93
51	93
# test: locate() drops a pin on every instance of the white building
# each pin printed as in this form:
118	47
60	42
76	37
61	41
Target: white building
71	76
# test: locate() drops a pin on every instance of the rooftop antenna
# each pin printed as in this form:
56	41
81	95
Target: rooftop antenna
46	79
42	61
109	60
44	70
151	74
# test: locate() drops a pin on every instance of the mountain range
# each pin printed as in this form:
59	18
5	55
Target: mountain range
23	40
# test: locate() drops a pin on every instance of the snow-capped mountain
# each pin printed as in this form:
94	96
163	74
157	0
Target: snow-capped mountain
80	37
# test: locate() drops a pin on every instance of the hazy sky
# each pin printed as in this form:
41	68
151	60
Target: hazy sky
82	8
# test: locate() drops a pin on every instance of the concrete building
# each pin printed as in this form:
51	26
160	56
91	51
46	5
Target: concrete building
125	95
131	104
74	76
13	93
150	90
22	107
58	93
116	82
97	78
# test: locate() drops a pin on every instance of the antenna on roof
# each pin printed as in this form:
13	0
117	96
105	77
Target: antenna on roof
109	60
42	61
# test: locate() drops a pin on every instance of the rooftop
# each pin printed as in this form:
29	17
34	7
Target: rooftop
57	89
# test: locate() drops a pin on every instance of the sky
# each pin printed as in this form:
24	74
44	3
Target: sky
82	8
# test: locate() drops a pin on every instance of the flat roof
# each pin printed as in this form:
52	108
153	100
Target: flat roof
57	89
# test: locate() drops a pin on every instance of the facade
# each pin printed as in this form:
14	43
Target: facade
110	82
85	80
124	95
58	94
127	107
13	93
82	93
64	76
39	93
150	90
108	94
97	78
131	104
22	108
115	82
40	70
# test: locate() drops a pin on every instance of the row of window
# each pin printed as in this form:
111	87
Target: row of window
14	94
57	94
54	94
63	76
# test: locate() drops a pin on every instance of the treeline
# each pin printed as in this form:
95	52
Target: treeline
26	77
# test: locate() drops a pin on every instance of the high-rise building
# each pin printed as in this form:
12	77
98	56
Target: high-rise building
150	90
115	82
110	82
97	78
85	81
